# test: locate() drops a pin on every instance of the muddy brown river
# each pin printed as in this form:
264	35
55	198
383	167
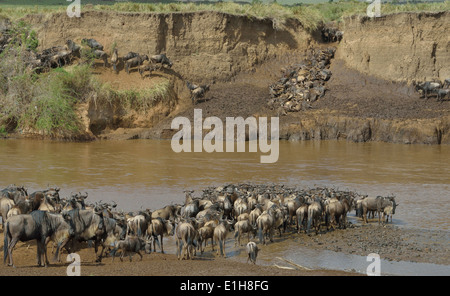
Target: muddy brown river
140	174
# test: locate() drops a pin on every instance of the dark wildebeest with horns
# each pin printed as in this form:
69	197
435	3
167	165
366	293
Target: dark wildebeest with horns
161	59
336	212
73	47
14	192
41	226
92	43
135	62
160	227
427	88
87	225
377	204
130	55
197	91
46	200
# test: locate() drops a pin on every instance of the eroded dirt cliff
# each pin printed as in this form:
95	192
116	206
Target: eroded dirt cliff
369	96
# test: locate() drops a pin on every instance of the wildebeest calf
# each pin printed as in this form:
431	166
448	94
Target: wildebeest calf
130	245
252	251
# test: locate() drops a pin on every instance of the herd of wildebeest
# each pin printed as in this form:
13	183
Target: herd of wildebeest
254	211
90	50
302	83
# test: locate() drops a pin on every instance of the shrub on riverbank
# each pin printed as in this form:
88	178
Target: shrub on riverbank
46	103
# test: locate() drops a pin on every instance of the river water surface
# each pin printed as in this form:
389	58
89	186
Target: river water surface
139	174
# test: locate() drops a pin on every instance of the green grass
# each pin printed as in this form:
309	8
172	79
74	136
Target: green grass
309	12
46	103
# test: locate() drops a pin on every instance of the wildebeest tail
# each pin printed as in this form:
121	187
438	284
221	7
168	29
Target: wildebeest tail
308	227
221	246
157	241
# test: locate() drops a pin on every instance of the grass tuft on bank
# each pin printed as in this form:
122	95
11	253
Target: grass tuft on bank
46	103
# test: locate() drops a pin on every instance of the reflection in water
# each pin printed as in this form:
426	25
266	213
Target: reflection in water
148	174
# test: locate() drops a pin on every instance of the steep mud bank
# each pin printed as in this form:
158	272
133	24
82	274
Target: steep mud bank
399	47
368	98
204	46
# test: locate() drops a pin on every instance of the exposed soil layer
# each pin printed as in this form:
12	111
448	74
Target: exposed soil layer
390	242
368	98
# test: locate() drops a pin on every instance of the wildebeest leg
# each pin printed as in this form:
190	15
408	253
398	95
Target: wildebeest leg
139	253
44	252
99	258
39	253
11	246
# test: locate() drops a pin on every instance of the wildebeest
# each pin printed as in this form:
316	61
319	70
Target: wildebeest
101	55
23	207
40	226
130	245
14	192
427	88
387	212
169	212
204	233
161	59
87	225
6	204
197	91
147	66
242	227
160	227
336	212
302	217
254	214
252	252
73	47
220	235
377	204
139	224
130	55
115	59
265	224
134	62
442	93
92	43
315	213
46	200
75	201
191	209
446	83
185	240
